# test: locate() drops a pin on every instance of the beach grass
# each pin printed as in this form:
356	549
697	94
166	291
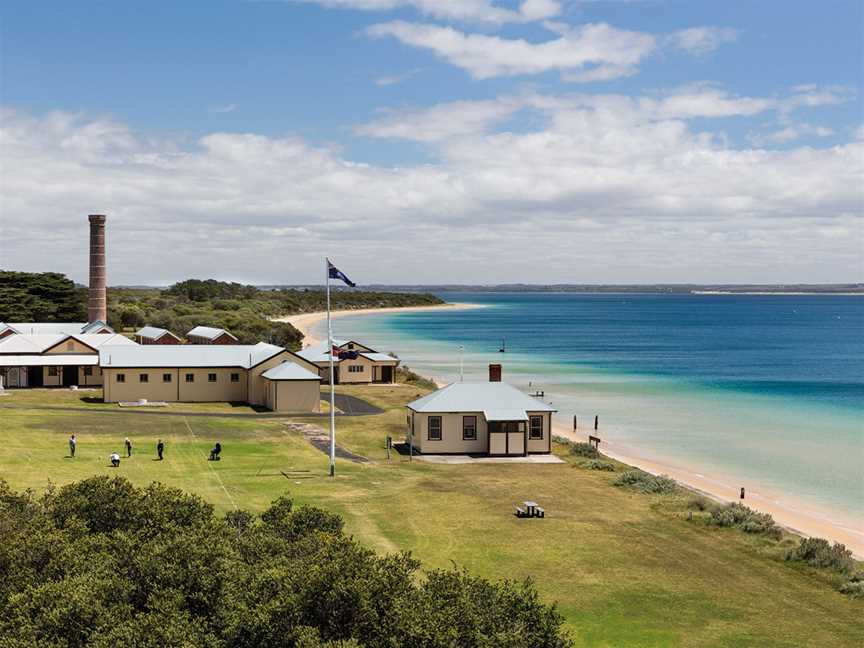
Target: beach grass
626	568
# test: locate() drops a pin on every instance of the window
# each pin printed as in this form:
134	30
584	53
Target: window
235	377
190	377
166	378
52	371
143	378
469	428
121	378
355	368
434	428
88	371
70	346
211	377
350	346
536	430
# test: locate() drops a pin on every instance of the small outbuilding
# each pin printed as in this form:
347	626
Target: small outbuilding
353	363
210	335
491	418
155	335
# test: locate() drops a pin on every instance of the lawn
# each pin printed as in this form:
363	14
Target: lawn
626	569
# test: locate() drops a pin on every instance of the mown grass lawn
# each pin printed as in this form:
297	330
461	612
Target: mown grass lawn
626	569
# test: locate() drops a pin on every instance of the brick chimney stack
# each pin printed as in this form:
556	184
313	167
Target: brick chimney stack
494	373
97	305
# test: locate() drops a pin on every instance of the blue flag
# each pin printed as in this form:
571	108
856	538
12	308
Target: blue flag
336	273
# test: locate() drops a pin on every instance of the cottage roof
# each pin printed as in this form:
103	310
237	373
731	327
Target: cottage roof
244	356
494	399
39	343
153	332
290	371
208	332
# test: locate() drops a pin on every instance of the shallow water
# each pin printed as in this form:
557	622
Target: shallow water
764	390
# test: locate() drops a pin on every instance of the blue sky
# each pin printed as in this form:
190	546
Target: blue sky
374	129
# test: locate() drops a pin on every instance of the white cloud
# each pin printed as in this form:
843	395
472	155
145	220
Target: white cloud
227	108
592	50
790	133
700	40
606	188
397	78
465	10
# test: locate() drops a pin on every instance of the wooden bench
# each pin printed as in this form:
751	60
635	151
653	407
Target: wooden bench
540	511
520	512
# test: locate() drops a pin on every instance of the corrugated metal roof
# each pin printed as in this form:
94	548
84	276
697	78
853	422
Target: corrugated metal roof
290	371
96	326
191	355
208	332
152	332
48	360
38	343
478	397
379	357
48	328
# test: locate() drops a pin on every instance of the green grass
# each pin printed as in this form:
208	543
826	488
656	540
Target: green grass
626	569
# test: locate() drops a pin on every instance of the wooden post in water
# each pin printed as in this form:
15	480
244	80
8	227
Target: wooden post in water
575	423
596	421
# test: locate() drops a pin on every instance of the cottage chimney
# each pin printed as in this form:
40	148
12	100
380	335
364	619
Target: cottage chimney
494	373
97	305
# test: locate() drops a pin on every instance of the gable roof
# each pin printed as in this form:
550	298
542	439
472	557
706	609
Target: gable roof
319	352
494	399
96	325
40	343
208	333
290	371
153	332
244	356
55	328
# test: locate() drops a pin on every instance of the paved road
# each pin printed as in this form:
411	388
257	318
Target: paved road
351	405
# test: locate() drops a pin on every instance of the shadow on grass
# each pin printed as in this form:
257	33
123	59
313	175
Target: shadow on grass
92	400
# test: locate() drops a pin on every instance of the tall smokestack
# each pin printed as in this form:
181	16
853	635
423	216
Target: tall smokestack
97	305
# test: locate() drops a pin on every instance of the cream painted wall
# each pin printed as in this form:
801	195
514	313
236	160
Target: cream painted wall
70	346
294	395
346	377
93	380
544	444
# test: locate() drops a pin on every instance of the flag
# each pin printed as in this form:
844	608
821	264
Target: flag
336	273
335	351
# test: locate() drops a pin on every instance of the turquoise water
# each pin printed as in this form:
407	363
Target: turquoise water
767	391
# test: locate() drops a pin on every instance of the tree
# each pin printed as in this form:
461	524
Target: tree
40	297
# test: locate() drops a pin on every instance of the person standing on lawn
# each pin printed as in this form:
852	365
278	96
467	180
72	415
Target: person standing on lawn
128	448
160	448
72	444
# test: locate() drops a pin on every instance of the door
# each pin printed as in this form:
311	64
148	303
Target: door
70	375
387	374
34	377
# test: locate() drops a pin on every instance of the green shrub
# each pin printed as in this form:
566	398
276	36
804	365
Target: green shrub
644	482
595	464
854	587
818	552
744	518
700	503
583	450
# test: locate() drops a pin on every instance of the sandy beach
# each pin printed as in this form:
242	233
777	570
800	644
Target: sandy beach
793	517
305	322
798	519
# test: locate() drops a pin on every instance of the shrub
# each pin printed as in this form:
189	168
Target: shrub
700	503
854	587
818	552
595	464
583	450
750	521
644	482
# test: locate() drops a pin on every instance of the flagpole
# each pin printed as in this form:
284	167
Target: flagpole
332	387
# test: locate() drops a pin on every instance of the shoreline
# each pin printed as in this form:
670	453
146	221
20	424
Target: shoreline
796	519
305	322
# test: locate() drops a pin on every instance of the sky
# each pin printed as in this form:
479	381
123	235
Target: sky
435	141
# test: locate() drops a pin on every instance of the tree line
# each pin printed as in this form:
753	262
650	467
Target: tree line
103	563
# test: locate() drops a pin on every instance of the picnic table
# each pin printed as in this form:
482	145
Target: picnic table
531	510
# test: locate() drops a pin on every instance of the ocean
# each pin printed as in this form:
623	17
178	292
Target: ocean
763	390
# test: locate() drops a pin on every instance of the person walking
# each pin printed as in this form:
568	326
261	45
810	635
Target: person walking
72	444
128	448
160	448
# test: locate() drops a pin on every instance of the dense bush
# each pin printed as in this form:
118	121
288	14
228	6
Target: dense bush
854	587
103	563
583	450
646	483
701	503
746	519
818	552
40	297
246	311
595	464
